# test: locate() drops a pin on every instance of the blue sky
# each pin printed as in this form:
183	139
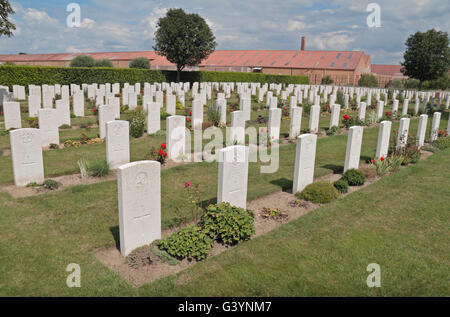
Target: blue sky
129	25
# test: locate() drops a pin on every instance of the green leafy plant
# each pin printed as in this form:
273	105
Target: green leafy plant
319	193
228	224
354	177
84	167
333	130
381	165
190	242
51	184
213	114
137	123
99	168
442	143
54	146
33	122
341	186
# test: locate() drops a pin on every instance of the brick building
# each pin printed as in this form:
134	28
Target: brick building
344	67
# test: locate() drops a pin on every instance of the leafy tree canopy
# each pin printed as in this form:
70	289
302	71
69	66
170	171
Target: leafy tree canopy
6	27
427	55
184	39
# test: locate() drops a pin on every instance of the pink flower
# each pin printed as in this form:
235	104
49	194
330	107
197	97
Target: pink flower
187	184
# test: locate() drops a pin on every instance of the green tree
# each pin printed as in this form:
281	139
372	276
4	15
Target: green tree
6	27
83	61
427	55
184	39
103	63
140	62
368	80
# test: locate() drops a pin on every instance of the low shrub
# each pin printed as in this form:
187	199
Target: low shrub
333	131
191	242
99	168
319	193
228	224
213	114
137	123
33	122
159	155
442	143
51	184
341	186
354	177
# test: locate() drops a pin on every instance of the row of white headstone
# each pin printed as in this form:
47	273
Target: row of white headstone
139	183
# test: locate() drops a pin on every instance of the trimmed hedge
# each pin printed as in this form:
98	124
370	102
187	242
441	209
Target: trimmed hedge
205	76
39	75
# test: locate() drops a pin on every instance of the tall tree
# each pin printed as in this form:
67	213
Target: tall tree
184	39
6	27
427	55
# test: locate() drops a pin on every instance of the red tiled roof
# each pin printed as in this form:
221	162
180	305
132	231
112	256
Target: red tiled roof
389	70
339	60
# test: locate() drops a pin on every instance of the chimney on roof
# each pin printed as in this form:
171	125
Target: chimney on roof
303	47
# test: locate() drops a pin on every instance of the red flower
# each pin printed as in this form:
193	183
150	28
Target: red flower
189	119
346	117
381	159
190	113
284	108
165	154
160	152
163	145
441	132
373	161
187	184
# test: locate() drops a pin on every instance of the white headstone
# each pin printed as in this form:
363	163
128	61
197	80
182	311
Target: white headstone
335	114
233	176
171	106
176	136
435	126
237	131
384	135
422	130
197	114
314	119
34	104
63	112
48	126
153	117
78	104
353	152
139	187
26	156
296	122
105	114
380	108
305	157
362	111
12	116
117	143
403	131
274	124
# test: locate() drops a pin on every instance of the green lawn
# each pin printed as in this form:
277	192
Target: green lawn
399	223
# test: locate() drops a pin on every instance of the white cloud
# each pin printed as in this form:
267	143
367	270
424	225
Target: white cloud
87	23
33	16
338	40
